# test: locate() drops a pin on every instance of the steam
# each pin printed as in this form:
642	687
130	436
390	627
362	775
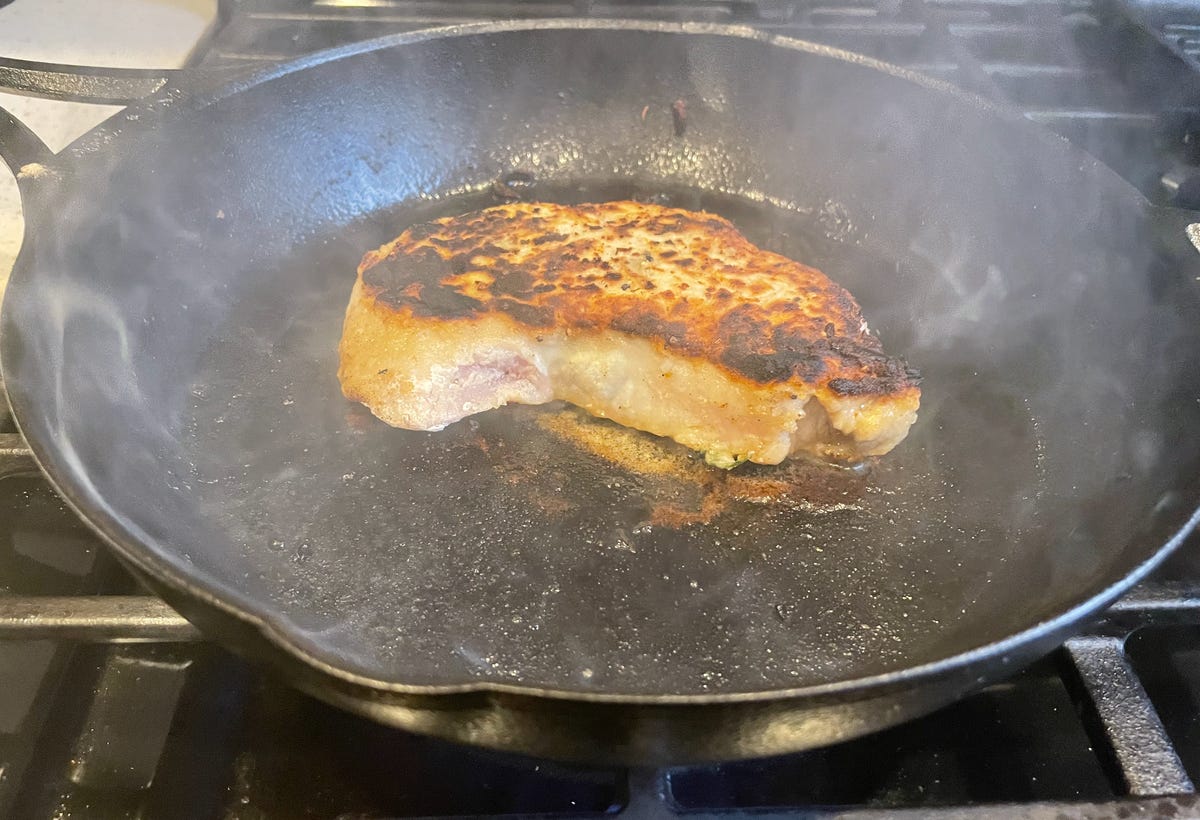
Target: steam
126	33
187	332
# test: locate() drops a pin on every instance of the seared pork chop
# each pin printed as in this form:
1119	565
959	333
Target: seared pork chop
661	319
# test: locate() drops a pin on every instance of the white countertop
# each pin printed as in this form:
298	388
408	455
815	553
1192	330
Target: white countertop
124	33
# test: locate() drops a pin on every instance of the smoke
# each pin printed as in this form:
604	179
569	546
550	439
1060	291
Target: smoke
125	33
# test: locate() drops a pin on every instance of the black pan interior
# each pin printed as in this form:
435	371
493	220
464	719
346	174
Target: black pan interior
181	381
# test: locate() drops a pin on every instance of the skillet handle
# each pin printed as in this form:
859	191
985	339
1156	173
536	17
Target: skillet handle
20	148
90	84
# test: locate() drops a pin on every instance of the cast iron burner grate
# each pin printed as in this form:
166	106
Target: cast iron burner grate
111	706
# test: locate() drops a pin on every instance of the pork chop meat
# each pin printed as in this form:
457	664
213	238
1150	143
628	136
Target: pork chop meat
661	319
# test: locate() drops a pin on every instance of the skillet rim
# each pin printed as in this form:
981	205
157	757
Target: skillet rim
196	93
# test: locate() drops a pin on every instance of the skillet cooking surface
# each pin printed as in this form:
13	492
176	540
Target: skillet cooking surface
179	382
541	546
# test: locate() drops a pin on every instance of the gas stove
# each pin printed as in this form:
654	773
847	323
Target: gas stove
113	706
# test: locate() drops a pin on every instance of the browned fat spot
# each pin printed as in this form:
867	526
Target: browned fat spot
531	482
684	491
637	452
814	487
675	516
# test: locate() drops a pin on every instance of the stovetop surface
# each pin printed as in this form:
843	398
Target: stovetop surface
1109	725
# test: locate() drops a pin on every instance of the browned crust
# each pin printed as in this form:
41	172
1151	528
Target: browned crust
689	281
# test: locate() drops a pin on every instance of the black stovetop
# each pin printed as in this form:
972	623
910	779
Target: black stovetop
1109	725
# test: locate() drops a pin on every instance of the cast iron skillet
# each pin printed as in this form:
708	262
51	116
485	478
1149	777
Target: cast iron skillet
169	341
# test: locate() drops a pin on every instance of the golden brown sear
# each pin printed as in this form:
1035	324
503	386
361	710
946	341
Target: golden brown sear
665	320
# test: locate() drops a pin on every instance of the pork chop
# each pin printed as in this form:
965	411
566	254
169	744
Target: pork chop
661	319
